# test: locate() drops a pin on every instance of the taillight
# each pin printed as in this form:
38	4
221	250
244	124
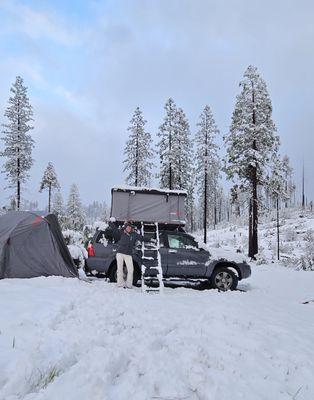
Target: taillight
90	250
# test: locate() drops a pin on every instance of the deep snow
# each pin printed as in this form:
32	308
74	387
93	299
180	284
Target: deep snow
68	339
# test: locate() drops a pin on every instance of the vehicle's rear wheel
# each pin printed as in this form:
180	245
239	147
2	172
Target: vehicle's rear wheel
224	279
113	273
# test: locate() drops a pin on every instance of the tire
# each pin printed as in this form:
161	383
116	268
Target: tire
113	274
224	279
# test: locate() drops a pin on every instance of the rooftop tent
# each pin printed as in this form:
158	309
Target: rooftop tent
32	245
148	205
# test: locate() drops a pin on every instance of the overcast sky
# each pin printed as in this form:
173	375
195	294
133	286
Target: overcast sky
88	64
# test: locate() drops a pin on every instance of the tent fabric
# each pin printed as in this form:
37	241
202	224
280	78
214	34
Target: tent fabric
148	206
32	245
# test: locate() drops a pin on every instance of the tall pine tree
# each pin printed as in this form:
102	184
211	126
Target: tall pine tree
18	143
138	152
75	213
50	182
252	144
175	149
207	168
166	146
183	151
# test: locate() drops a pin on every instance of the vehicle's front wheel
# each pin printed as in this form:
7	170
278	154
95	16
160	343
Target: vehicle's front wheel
224	279
113	274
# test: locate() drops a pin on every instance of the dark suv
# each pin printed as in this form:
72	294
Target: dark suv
181	257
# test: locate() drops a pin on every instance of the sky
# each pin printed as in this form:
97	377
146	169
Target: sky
89	64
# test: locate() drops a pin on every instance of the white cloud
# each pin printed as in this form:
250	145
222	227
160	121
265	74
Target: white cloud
37	24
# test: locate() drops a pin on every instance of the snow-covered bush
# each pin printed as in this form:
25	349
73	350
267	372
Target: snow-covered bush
261	257
75	243
306	261
72	237
290	234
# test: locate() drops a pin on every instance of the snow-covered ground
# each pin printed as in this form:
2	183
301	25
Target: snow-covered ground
296	229
69	339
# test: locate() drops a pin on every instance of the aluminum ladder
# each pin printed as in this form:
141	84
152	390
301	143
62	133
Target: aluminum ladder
151	253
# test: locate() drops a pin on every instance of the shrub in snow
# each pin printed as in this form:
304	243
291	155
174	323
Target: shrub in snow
306	261
290	235
100	225
75	243
261	258
72	237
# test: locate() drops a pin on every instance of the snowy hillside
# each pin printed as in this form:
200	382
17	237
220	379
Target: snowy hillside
68	339
296	239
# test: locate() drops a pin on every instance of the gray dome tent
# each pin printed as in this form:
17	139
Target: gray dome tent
32	245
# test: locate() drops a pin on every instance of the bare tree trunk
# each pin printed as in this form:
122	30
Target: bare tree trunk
170	166
278	250
250	252
253	248
254	216
303	195
49	198
205	208
136	155
18	193
18	189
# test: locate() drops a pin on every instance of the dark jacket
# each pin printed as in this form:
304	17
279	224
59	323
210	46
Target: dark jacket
127	241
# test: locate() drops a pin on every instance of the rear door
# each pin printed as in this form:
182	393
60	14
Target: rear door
185	259
104	252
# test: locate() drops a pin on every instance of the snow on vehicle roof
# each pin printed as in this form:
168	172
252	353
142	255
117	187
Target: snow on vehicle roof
147	189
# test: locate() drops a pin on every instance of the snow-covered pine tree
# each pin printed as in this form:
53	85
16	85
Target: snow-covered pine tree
58	208
166	146
18	143
183	150
289	187
49	181
75	213
207	165
252	144
138	152
175	149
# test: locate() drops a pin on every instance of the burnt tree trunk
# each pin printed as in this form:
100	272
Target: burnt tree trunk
250	253
205	207
253	241
170	166
205	186
18	180
136	156
49	198
254	214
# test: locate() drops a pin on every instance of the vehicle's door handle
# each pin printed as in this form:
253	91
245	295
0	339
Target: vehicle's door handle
172	251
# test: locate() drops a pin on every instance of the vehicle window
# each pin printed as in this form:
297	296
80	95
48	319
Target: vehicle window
101	238
190	243
176	242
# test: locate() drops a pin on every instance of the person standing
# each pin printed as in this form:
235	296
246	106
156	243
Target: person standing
126	244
